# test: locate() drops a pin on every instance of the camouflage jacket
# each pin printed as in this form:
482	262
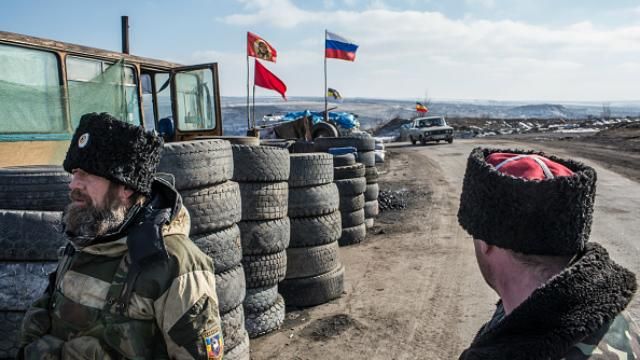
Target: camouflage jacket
131	294
577	315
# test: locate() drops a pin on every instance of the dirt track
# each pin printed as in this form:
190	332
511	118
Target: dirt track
413	290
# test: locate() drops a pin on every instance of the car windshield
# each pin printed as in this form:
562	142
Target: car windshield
431	122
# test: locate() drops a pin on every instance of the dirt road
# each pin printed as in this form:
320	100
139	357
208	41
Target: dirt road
413	290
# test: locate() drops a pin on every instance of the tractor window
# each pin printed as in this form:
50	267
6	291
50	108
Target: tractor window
98	86
30	92
195	102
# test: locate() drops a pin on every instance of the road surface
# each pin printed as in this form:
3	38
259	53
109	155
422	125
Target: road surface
413	291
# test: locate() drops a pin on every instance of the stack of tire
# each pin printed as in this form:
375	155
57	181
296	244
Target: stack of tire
350	179
314	272
365	145
202	170
262	172
32	198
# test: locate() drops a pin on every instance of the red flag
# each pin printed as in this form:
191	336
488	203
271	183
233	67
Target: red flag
259	48
265	78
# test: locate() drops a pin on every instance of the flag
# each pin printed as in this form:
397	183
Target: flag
259	48
334	93
337	47
265	78
421	108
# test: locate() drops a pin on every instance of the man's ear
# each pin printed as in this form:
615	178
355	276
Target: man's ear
484	247
126	193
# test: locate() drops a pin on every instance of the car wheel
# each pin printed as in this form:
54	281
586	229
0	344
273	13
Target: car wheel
450	141
413	141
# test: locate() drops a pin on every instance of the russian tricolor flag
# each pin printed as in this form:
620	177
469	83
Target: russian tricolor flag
337	47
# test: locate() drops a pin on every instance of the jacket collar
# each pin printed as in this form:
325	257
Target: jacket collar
572	305
163	196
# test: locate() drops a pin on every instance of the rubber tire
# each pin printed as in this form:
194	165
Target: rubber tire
39	187
310	169
353	235
314	290
260	163
265	237
351	203
348	172
371	209
371	174
260	299
230	288
351	187
352	219
311	261
224	247
240	351
10	324
197	163
239	140
367	158
413	141
313	200
314	231
212	208
21	283
372	192
264	201
258	324
360	143
323	129
344	160
233	331
30	235
450	141
264	270
368	223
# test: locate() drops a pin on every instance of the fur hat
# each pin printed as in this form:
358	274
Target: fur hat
105	146
528	213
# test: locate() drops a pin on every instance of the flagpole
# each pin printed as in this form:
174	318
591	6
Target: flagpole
254	105
326	112
248	117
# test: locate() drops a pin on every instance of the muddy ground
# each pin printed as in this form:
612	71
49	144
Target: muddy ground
412	288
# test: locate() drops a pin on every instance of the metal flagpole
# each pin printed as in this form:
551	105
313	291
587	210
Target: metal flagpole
254	105
248	117
326	112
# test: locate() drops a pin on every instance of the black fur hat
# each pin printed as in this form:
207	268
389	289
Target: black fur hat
536	217
105	146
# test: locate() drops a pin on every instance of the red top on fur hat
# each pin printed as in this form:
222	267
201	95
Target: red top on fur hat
530	167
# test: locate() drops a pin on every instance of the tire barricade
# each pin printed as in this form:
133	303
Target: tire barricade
32	198
314	273
262	172
203	170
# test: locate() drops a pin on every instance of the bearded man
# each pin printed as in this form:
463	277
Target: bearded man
130	283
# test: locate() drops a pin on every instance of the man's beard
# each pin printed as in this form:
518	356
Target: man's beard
88	221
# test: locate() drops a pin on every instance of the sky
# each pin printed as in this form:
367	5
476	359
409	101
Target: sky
510	50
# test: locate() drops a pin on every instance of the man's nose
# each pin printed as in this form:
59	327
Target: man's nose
75	182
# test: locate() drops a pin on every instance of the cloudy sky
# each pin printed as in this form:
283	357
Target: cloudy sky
548	50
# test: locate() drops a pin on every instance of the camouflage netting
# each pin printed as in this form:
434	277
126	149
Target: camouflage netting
33	101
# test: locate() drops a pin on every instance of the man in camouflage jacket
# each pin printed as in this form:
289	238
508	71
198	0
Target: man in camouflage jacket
130	284
561	297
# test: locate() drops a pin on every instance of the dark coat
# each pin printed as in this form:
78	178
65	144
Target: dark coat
572	316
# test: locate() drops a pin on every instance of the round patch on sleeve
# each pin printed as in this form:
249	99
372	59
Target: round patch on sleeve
83	140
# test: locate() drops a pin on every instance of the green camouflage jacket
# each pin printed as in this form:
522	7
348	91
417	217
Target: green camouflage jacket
128	295
577	315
